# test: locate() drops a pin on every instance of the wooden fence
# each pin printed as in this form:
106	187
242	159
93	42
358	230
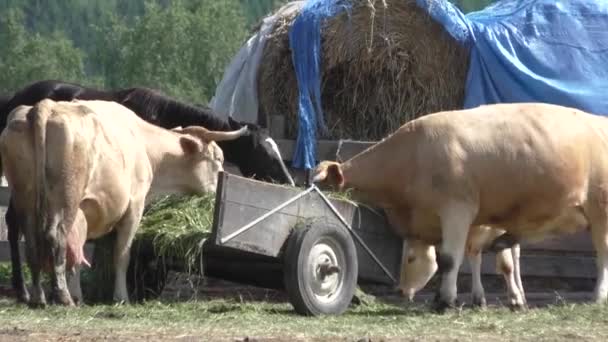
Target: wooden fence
567	257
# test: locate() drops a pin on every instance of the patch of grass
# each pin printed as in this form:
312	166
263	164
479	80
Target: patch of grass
224	319
177	225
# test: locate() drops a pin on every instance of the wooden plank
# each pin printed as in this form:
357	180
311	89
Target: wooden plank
578	242
347	149
5	255
327	149
543	266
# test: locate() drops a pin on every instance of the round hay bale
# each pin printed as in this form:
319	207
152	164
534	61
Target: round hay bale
386	63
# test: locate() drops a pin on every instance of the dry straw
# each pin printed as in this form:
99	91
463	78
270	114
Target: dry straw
387	63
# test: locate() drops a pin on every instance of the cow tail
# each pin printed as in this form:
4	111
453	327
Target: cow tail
37	119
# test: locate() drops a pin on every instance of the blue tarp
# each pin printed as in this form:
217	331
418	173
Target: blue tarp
305	44
553	51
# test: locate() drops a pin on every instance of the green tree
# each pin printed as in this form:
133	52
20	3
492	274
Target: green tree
182	49
255	10
29	57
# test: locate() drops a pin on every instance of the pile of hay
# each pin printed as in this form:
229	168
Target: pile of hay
174	225
177	225
386	64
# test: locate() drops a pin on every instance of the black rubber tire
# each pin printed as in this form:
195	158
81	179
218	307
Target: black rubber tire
297	280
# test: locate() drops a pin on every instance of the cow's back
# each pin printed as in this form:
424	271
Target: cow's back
520	164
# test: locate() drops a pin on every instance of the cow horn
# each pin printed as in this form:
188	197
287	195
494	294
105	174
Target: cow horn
207	135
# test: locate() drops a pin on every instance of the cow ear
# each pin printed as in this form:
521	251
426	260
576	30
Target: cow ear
190	145
335	176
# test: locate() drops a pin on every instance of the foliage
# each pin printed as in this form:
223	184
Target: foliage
182	49
179	46
28	57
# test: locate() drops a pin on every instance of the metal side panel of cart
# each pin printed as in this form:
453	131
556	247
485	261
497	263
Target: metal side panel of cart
240	201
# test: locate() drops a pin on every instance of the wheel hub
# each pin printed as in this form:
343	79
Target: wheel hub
325	270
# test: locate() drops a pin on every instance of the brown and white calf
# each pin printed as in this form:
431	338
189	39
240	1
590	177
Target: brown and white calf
530	169
419	264
79	170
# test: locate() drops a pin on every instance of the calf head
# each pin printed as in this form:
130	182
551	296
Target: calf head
202	158
329	173
417	268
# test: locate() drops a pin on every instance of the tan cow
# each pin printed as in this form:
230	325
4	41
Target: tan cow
79	170
419	264
531	169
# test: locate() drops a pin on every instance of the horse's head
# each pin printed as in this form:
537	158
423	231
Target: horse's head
260	155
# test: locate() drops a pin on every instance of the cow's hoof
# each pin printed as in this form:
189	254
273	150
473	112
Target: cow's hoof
37	300
479	302
37	304
518	307
440	305
23	297
63	298
120	301
77	301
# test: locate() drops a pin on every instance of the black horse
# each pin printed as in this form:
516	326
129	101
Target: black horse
256	155
3	101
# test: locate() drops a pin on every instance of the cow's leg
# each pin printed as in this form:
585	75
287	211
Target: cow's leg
57	237
596	212
456	220
33	251
13	221
74	284
515	254
477	291
79	237
504	266
125	231
599	235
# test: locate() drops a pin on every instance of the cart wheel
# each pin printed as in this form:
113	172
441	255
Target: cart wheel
320	270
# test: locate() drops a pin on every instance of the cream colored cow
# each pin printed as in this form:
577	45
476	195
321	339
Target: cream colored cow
79	170
530	169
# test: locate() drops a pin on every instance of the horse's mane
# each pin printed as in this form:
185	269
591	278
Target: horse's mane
167	112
